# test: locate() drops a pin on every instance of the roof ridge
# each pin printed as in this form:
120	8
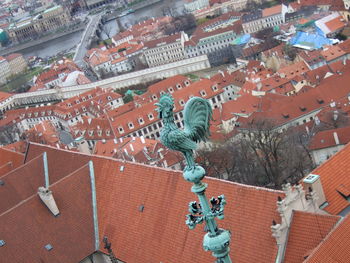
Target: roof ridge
21	166
10	150
30	197
327	236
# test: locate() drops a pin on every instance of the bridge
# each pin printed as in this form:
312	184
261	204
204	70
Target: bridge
86	38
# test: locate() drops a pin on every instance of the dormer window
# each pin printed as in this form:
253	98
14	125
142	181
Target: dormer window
171	90
141	121
84	109
154	97
108	132
182	102
109	98
91	133
35	114
130	125
77	101
84	99
203	93
89	96
162	92
42	113
150	116
187	83
120	129
99	132
69	115
215	88
69	105
178	86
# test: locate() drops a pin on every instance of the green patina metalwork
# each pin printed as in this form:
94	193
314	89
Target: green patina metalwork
197	116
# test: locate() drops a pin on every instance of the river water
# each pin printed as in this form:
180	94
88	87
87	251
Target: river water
68	42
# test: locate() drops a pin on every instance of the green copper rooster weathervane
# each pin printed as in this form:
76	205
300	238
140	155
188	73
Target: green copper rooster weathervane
197	116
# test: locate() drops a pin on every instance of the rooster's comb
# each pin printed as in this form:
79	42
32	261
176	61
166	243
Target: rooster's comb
166	100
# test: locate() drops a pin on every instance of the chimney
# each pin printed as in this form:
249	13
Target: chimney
142	139
46	196
259	85
336	139
313	181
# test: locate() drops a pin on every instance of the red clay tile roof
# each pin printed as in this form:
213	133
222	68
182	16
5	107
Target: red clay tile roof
334	173
335	248
305	102
345	46
332	52
306	232
19	147
30	225
4	95
163	41
17	186
159	232
325	139
13	56
10	159
272	11
293	70
336	24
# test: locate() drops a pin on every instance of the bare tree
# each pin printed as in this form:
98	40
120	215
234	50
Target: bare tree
261	155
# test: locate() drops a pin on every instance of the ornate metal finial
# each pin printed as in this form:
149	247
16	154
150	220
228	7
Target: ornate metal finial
197	116
109	249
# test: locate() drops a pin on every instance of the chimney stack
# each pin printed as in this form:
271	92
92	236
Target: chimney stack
46	196
336	139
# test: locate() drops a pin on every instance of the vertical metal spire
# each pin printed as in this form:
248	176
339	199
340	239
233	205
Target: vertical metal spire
197	116
46	171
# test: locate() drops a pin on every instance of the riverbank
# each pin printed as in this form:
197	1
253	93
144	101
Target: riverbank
41	40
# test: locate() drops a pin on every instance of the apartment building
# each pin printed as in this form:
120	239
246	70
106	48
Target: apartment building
165	50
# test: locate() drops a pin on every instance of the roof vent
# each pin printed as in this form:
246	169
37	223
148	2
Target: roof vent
46	196
2	243
48	247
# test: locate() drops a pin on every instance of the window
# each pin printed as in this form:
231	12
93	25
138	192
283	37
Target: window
130	125
171	90
182	102
203	93
150	116
120	129
141	121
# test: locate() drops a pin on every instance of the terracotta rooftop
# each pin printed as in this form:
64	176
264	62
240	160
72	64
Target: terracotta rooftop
334	248
334	174
13	56
163	41
70	234
272	11
332	52
306	232
325	139
159	232
9	160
